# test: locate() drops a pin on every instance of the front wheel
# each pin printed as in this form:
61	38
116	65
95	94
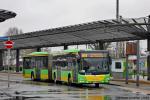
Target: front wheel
32	76
55	78
69	80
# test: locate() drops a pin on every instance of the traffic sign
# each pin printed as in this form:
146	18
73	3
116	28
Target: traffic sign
9	44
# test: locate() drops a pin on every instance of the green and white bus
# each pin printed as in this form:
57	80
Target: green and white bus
70	66
35	66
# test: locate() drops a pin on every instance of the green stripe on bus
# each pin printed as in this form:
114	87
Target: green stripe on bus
28	71
44	71
71	51
39	53
65	73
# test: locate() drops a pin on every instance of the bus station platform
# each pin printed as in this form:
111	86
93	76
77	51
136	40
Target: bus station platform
132	81
144	86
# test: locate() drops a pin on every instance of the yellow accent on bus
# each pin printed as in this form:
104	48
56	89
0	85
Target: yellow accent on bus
95	98
65	79
96	55
27	75
44	76
94	78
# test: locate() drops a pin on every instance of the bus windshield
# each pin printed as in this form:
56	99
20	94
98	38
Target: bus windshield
95	65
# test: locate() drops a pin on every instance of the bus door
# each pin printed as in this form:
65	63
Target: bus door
59	73
38	65
59	64
75	71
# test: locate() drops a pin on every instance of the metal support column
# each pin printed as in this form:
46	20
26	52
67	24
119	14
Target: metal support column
65	47
38	49
127	73
137	63
117	10
148	59
17	60
1	59
101	45
148	49
77	46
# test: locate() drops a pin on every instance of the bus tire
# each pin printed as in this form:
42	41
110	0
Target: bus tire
32	76
55	78
97	85
69	80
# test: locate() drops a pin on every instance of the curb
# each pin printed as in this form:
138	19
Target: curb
132	81
11	72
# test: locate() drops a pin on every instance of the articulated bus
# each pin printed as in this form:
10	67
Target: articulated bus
70	66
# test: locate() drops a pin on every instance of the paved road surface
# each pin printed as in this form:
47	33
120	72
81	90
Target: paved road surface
28	90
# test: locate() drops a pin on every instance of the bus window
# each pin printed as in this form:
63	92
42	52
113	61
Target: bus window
27	63
56	64
41	62
63	63
33	62
74	62
95	65
118	65
45	62
53	64
70	64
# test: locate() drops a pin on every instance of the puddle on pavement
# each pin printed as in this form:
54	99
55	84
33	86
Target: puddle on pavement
51	91
72	93
90	97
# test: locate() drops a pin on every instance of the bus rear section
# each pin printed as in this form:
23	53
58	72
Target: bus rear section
27	68
38	66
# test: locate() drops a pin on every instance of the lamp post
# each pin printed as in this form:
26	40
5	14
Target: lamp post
137	63
117	10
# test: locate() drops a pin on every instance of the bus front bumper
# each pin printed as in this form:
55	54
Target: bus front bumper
87	79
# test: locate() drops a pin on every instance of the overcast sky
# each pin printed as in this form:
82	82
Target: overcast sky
35	15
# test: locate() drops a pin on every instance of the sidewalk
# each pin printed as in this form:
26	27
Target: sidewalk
144	86
132	81
12	72
142	80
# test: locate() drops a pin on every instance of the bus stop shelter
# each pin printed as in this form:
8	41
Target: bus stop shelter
98	31
5	14
86	33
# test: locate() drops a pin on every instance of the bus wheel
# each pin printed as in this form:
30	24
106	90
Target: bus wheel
97	85
32	76
69	80
55	78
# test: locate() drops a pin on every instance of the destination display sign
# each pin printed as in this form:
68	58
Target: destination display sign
85	55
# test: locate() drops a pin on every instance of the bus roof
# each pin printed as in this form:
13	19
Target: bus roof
88	50
71	51
38	54
63	52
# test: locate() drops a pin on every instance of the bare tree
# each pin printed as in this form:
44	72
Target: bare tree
10	32
95	46
13	31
